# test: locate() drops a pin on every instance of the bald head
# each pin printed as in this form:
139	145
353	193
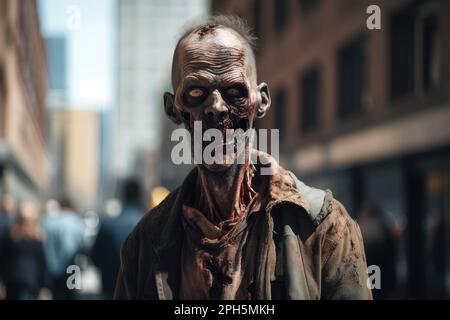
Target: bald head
214	77
213	46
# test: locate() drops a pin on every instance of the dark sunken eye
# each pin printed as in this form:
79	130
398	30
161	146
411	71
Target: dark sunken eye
236	91
194	96
233	92
196	93
236	94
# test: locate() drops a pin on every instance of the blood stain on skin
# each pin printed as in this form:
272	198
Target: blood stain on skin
208	29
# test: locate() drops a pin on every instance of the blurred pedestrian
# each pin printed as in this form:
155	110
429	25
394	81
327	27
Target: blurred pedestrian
64	231
113	232
23	265
7	212
380	242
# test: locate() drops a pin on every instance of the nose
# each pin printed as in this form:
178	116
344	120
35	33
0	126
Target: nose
218	109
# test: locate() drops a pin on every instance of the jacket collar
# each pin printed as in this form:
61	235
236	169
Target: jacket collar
166	242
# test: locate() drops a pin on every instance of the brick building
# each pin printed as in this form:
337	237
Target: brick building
22	101
366	113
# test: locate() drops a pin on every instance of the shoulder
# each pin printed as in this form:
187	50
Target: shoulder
140	249
319	202
338	221
328	215
323	207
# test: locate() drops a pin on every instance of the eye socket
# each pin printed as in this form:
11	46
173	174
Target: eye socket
236	91
233	92
194	96
196	93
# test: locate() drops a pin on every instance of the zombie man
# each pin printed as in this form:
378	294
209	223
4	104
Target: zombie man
229	232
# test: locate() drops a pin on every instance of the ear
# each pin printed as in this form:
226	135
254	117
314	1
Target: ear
170	109
264	106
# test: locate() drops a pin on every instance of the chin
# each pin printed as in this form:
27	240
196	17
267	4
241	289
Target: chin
221	167
217	167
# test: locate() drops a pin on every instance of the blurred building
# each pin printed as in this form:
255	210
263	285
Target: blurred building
76	135
22	100
147	34
56	100
57	71
366	113
106	174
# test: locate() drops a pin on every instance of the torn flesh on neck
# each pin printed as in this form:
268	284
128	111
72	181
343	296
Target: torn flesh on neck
225	198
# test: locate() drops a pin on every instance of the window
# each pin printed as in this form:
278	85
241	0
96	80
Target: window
310	100
257	18
352	77
2	183
430	53
280	106
402	55
281	7
414	50
57	53
307	5
2	100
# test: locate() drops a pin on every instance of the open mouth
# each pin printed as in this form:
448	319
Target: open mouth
229	124
234	131
238	127
241	123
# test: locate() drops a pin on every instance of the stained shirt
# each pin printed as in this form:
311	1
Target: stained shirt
218	262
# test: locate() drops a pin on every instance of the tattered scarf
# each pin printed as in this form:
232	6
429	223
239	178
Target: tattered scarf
213	266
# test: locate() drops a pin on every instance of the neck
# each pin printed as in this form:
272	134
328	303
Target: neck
225	195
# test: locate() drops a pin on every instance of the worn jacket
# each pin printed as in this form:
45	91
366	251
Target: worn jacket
318	247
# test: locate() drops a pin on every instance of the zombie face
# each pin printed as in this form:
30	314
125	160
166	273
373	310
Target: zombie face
214	81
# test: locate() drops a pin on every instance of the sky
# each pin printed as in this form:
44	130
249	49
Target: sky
89	27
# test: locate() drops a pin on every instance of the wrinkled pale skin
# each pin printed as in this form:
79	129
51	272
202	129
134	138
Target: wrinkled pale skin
214	81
